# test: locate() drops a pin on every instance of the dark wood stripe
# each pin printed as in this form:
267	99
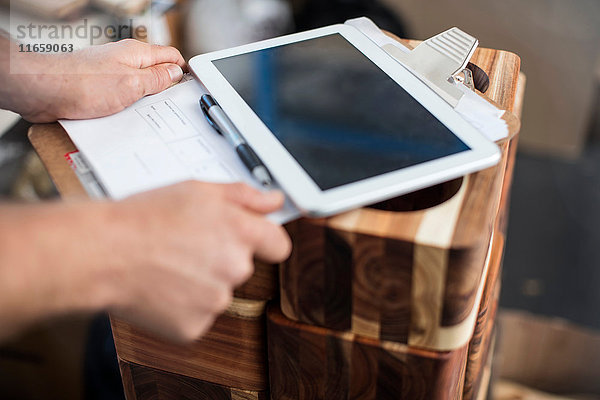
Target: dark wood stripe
128	387
283	349
312	357
368	277
395	380
364	370
287	281
337	378
154	384
303	273
396	291
263	285
337	293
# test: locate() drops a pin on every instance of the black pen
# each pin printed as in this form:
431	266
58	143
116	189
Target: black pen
223	125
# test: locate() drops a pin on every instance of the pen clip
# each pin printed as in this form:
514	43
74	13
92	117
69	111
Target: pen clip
206	102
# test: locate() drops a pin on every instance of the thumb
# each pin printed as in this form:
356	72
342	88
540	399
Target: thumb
157	78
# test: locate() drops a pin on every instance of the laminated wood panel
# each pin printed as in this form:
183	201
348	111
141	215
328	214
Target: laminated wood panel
143	383
308	362
232	353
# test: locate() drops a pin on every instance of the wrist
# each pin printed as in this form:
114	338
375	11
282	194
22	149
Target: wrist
55	259
100	259
128	251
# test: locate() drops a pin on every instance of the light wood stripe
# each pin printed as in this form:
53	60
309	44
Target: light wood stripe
346	221
438	224
365	327
429	271
246	308
430	263
243	395
453	337
487	373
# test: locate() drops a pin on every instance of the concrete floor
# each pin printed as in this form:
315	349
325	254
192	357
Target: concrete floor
552	259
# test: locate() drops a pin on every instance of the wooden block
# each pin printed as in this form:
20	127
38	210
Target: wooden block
441	285
263	285
231	354
51	143
409	277
480	344
309	362
144	383
409	270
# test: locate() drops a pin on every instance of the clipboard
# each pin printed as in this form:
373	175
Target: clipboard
109	180
442	62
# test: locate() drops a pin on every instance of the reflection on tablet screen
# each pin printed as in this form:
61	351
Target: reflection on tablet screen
340	116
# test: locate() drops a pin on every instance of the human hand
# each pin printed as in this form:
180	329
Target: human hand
188	246
166	260
90	83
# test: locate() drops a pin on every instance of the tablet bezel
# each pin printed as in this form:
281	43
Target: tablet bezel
290	175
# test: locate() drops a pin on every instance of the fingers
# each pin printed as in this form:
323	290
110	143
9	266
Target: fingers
143	55
236	267
164	55
159	66
157	78
274	246
268	242
253	199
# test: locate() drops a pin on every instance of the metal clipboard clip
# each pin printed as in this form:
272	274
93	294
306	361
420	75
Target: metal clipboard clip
439	61
442	63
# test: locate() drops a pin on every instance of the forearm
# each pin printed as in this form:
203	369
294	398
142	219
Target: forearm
31	84
54	259
7	89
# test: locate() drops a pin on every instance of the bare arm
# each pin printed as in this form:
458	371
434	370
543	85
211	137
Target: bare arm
167	260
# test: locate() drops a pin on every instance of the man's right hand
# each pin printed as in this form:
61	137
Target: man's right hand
166	260
189	246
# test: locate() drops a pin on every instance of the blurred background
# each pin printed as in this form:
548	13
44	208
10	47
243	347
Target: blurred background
549	342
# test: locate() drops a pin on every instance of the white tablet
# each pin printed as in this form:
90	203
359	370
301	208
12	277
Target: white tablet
338	122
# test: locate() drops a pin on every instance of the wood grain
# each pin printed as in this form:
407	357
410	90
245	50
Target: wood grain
388	288
511	153
144	383
262	285
408	270
231	354
309	362
52	143
481	343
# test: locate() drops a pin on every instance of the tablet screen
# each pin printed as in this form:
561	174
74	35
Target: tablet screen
337	113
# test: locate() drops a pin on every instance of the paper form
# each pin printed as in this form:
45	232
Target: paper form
158	141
